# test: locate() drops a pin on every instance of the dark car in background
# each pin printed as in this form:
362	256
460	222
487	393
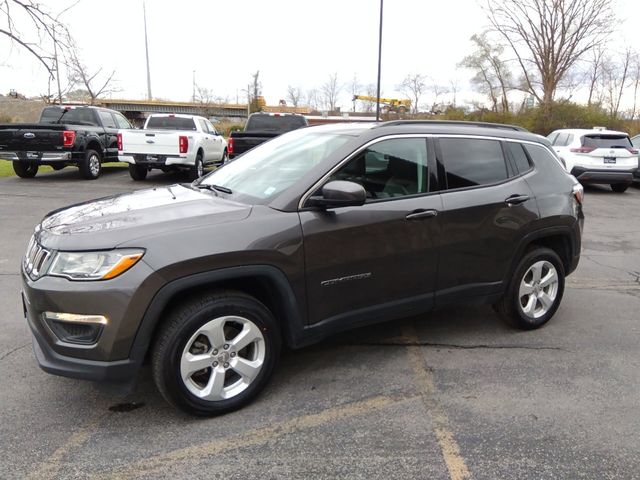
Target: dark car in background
81	136
315	232
261	127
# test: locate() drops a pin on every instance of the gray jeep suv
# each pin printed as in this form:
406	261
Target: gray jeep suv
317	231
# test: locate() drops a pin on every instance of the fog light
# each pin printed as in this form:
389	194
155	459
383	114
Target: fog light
72	328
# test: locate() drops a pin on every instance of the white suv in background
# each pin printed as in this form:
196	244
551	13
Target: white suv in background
597	156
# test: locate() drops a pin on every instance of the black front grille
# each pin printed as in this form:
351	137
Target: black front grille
35	259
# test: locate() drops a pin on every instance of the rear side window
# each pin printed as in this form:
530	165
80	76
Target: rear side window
519	156
171	123
606	141
471	162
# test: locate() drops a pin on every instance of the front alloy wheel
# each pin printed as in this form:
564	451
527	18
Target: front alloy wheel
222	358
215	352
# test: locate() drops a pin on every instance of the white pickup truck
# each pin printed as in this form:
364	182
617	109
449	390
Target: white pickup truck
171	142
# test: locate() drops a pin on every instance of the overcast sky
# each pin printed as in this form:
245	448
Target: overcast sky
291	42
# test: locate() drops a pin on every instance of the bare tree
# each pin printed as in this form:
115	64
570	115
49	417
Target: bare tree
549	37
313	99
330	91
438	91
594	73
616	78
255	86
413	86
35	29
354	89
635	81
94	82
492	75
294	94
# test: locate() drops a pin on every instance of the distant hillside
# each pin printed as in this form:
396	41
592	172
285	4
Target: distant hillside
20	111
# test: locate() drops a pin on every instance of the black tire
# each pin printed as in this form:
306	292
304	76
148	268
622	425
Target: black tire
619	187
511	307
91	165
181	329
197	170
138	172
24	169
225	157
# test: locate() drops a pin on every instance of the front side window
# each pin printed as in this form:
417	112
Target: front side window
107	120
122	122
471	162
390	168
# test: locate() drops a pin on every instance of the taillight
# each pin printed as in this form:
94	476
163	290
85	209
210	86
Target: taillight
183	142
578	193
230	145
583	150
120	142
633	151
68	138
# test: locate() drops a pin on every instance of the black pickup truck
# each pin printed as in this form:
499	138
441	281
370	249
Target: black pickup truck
82	136
262	127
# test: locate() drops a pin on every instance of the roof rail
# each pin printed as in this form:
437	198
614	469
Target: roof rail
452	122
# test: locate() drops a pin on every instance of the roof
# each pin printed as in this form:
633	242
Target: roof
592	131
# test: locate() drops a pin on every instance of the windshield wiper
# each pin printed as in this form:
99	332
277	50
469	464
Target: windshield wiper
61	115
217	188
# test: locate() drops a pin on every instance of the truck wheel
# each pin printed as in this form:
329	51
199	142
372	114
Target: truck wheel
24	169
91	165
535	291
198	168
225	156
138	172
619	187
215	353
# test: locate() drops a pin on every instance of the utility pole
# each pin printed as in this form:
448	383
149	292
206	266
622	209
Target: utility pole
55	56
146	46
193	93
379	64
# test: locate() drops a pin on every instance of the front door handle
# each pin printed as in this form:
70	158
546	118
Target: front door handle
420	214
516	199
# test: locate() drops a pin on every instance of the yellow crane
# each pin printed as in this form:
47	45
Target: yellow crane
391	104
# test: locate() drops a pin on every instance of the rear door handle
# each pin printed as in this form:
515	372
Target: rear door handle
516	199
421	214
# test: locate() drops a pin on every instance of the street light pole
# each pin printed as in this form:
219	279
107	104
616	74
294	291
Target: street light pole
146	46
379	63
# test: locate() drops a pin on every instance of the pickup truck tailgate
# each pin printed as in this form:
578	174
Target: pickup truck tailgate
27	137
150	142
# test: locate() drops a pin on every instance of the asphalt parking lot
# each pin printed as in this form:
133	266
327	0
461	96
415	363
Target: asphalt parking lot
455	394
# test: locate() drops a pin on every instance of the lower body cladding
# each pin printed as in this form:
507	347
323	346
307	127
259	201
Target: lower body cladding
86	330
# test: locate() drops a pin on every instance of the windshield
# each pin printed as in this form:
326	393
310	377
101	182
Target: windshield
265	171
170	123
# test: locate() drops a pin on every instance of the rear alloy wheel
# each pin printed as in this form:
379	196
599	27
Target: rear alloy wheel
619	187
25	169
198	168
138	172
91	165
215	353
535	291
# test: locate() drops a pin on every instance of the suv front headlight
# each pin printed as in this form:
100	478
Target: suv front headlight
93	265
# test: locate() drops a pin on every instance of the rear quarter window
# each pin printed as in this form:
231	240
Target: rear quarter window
519	157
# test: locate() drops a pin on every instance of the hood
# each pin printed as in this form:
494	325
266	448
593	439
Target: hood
110	221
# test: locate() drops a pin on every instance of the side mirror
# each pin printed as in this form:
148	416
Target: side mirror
339	193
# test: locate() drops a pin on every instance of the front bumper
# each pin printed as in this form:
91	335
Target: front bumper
123	300
36	157
590	175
